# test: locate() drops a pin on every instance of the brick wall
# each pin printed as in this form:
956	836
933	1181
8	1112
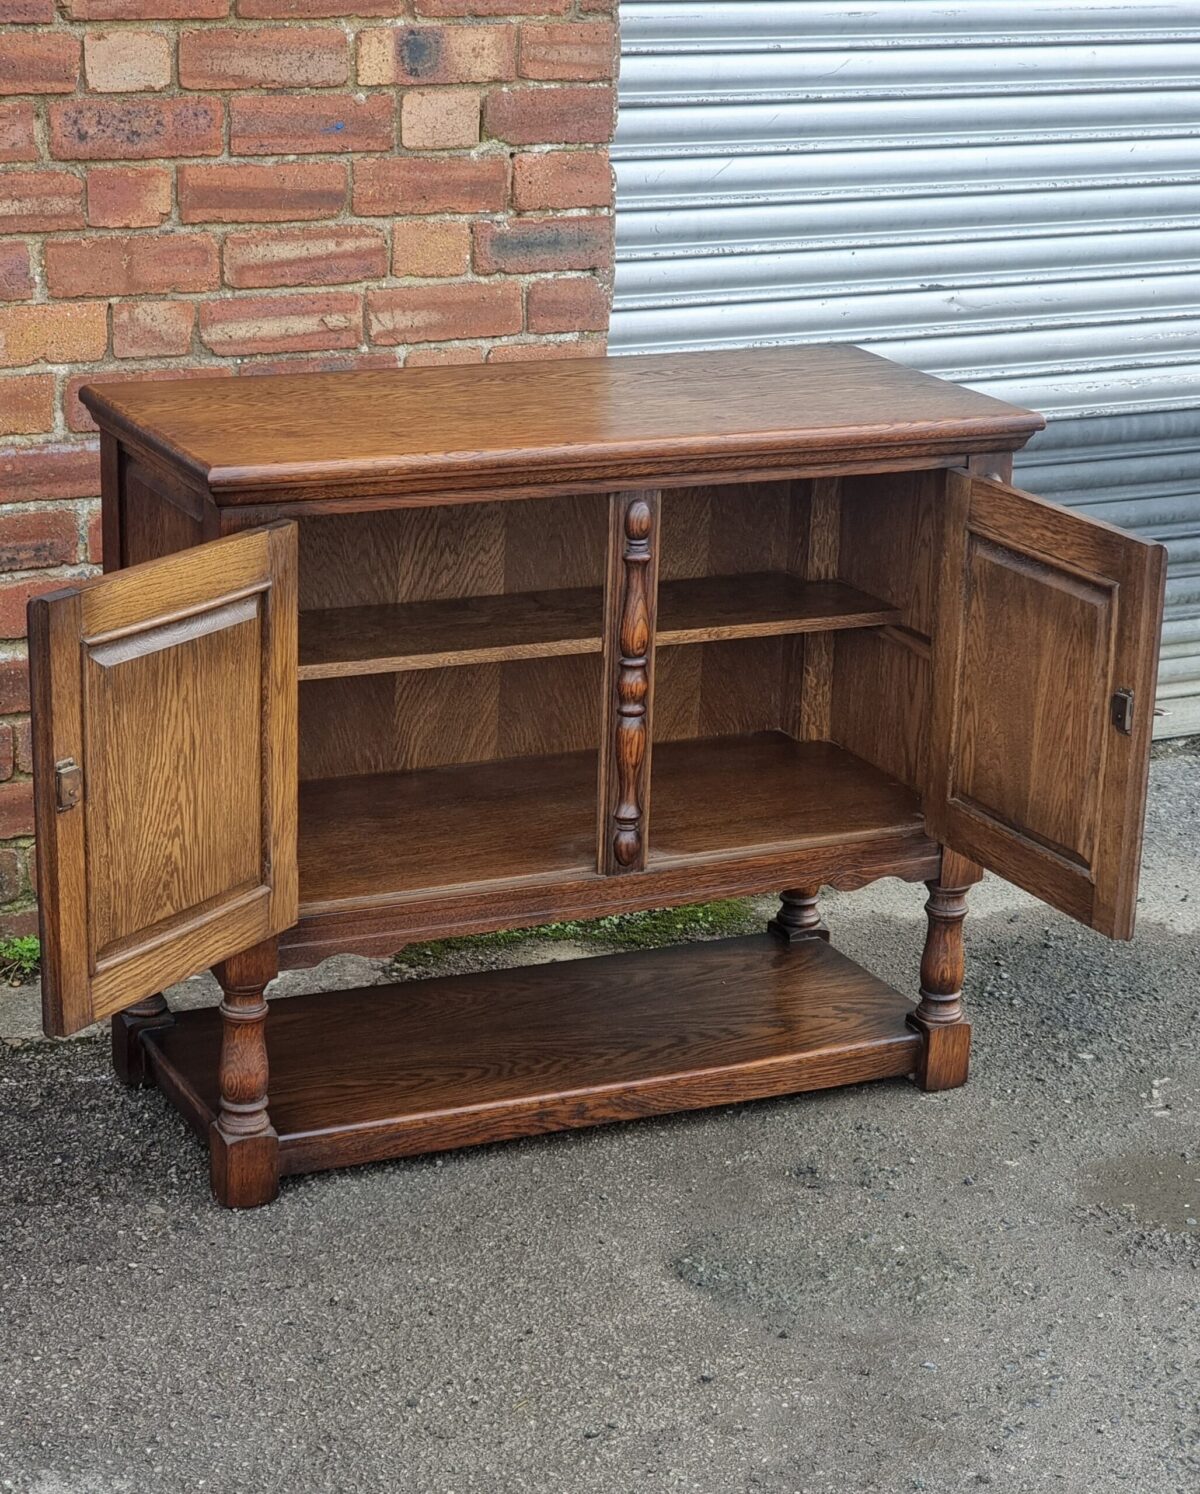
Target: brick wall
229	187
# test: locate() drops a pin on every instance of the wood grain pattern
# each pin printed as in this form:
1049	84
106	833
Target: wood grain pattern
1042	616
442	431
173	685
819	562
398	1070
945	1058
244	1145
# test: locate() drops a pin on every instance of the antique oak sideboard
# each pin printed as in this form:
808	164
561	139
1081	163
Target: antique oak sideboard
389	656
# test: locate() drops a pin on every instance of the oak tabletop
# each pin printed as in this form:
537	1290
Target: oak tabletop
244	438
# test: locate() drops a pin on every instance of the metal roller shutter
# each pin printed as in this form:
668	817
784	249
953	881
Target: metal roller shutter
1007	194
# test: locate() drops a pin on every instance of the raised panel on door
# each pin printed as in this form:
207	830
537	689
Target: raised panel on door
1044	659
164	700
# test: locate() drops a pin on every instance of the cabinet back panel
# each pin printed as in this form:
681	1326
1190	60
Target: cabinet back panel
385	723
725	531
480	549
151	525
719	689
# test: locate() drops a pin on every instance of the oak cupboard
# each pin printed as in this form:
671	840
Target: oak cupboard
389	656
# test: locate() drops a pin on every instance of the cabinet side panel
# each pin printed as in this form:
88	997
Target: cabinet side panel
889	541
880	703
151	524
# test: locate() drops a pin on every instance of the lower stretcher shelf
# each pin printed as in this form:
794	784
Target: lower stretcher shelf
390	1071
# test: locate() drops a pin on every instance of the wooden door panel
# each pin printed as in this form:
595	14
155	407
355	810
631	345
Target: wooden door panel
1043	616
172	686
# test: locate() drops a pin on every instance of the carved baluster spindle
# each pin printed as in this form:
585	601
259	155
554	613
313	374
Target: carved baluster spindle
633	682
798	917
939	1013
244	1145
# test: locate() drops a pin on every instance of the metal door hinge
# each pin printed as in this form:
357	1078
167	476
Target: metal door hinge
1122	711
68	784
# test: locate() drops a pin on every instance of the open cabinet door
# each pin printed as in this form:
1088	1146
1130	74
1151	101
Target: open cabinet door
1044	665
164	727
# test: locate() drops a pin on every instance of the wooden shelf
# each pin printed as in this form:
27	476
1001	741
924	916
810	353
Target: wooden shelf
391	1071
443	831
543	624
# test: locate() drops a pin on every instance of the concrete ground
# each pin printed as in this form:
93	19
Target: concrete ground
865	1290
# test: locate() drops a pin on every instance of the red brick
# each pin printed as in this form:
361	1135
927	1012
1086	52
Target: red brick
431	246
436	54
147	10
31	541
15	596
26	406
14	686
268	57
26	12
31	474
536	352
318	363
436	357
309	124
126	61
18	925
491	7
135	129
11	880
444	313
308	256
16	803
42	62
128	196
521	245
24	745
567	305
261	194
132	264
152	329
550	116
462	184
95	555
562	179
583	51
8	759
52	334
39	201
312	10
282	324
17	139
439	118
78	418
16	271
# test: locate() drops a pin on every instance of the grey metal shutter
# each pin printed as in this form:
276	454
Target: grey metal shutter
1004	192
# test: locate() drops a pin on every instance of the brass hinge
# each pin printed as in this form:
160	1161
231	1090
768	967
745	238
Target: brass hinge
1122	711
68	784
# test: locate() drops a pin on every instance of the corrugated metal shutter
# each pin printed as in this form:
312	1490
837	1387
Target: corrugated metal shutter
1007	194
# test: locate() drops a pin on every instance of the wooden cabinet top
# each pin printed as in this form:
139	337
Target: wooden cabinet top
473	431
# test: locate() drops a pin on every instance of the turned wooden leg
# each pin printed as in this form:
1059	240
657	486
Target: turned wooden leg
128	1051
243	1143
798	917
939	1014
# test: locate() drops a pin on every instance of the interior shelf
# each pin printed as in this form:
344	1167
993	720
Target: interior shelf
542	624
390	835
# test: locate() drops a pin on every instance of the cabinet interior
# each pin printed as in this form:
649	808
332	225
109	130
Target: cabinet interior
451	666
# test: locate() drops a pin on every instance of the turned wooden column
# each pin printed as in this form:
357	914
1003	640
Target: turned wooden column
798	917
128	1050
243	1143
630	609
939	1013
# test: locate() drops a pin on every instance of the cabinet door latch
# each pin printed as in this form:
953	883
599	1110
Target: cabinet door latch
1122	711
68	784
